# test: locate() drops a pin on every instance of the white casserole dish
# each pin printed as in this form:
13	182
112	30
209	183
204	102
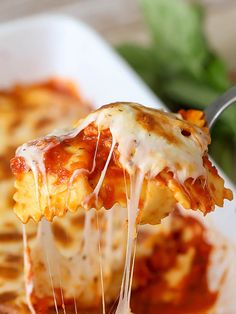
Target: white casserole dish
44	46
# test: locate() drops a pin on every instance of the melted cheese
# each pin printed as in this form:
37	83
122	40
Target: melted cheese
85	275
133	203
148	141
28	275
170	152
155	135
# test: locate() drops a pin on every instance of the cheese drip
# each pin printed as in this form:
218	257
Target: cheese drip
48	270
27	268
136	182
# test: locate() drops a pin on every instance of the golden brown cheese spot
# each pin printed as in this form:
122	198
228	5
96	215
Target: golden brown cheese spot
8	296
10	224
13	258
78	220
9	273
146	120
10	237
16	123
160	126
61	235
43	122
5	172
9	201
14	236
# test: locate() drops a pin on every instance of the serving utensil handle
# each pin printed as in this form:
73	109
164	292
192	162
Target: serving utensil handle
213	111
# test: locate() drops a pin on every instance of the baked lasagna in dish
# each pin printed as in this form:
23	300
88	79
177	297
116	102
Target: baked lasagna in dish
26	111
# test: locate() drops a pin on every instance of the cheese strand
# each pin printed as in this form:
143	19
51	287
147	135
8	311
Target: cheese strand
28	286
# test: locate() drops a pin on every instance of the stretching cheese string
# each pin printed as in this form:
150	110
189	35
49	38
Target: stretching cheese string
44	226
136	181
28	286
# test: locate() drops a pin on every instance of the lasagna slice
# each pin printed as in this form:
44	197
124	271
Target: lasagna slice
117	149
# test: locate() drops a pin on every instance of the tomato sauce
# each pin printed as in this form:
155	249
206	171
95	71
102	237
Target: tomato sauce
192	294
18	166
78	153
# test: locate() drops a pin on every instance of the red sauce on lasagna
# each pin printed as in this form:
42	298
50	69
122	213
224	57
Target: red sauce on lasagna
192	294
